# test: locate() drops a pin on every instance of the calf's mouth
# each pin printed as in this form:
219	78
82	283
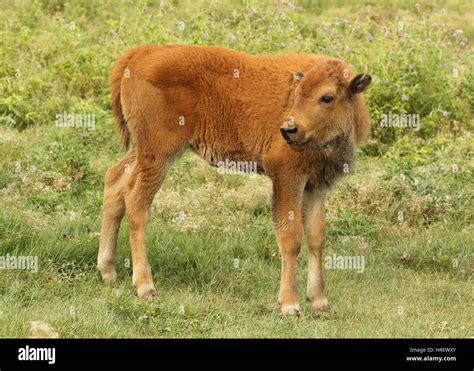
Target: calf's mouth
295	143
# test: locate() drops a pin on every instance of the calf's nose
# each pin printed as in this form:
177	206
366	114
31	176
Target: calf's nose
286	132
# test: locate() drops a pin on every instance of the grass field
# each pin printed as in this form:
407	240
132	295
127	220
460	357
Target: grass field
407	208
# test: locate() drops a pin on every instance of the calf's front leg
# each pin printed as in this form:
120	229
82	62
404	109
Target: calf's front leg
314	228
286	212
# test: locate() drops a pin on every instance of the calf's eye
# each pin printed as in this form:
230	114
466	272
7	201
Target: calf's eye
327	99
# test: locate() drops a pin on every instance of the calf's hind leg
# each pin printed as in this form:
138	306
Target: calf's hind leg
112	214
145	180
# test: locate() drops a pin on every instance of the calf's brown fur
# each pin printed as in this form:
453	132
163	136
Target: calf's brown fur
298	116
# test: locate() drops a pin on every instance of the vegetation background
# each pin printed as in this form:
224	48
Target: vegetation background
407	208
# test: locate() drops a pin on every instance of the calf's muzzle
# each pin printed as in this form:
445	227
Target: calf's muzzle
287	132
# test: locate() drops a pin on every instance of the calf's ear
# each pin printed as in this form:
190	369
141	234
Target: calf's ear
298	76
359	84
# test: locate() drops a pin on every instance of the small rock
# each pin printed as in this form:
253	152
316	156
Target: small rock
41	330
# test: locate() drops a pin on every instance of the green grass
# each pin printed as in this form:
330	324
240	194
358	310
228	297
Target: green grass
407	207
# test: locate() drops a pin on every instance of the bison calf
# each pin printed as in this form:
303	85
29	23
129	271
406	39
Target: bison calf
299	117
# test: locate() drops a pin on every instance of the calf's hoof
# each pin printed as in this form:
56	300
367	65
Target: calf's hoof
321	305
291	310
108	276
146	292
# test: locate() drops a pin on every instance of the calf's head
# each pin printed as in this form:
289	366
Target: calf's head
327	104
